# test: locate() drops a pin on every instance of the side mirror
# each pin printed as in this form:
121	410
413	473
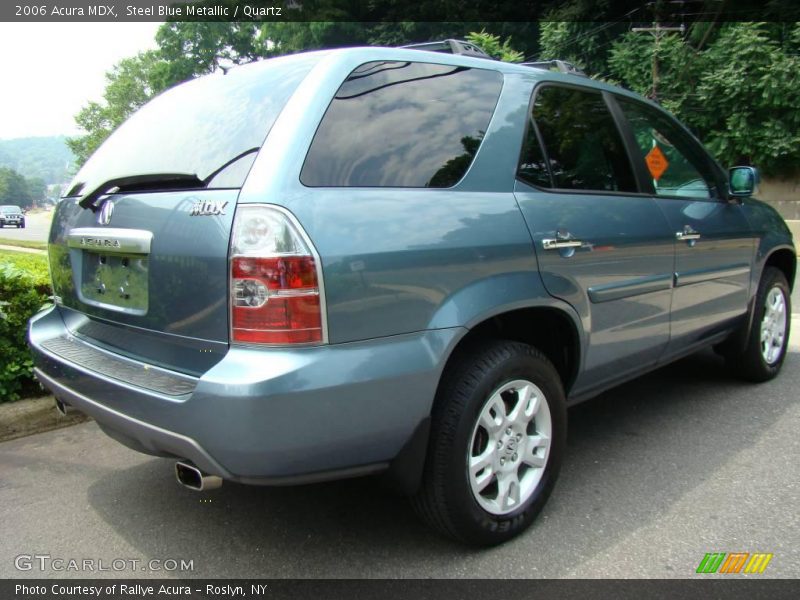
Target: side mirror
742	181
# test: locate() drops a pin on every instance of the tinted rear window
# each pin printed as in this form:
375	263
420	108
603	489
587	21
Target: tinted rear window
402	124
198	126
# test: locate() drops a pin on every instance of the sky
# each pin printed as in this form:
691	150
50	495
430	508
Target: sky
52	70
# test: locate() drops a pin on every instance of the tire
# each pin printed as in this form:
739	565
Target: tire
755	363
489	381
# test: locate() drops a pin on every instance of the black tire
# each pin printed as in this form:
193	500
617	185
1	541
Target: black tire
750	364
22	226
445	499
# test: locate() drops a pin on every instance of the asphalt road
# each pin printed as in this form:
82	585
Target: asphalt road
658	472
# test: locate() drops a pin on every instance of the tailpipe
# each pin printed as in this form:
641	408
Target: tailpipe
193	478
63	408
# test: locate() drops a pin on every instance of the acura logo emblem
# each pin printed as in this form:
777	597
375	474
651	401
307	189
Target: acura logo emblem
104	216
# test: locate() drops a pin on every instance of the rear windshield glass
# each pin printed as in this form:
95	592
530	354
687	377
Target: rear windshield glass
197	127
402	124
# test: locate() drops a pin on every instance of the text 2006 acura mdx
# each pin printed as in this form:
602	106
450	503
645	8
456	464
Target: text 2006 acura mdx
341	263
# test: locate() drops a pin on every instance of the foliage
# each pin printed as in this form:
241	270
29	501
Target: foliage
491	45
586	44
18	191
751	85
736	87
131	83
24	290
46	158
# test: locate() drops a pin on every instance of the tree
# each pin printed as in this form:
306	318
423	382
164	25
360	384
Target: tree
131	83
37	188
736	87
14	188
493	47
734	84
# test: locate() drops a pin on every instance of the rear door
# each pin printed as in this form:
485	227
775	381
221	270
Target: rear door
146	276
602	246
714	241
139	248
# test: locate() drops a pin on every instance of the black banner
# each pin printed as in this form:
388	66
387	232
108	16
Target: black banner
639	11
431	589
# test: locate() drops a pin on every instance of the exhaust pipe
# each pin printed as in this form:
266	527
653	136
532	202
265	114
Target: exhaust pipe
193	478
63	408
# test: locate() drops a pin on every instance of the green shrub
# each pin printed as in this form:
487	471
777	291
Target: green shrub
24	290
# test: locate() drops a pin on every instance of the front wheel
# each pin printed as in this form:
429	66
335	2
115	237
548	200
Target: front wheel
763	356
497	439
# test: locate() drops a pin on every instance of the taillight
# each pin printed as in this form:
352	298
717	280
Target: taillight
275	280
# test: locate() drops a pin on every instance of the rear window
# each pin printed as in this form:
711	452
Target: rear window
196	127
402	124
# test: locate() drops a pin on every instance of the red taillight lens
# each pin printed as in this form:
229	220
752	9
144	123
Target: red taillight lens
274	281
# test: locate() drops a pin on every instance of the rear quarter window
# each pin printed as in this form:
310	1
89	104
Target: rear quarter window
402	124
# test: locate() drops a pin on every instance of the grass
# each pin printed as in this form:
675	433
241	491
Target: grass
23	243
35	264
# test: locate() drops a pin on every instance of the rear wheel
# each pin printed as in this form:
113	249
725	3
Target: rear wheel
497	439
762	357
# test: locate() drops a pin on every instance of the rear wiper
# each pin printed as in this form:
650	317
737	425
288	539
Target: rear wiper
149	181
235	159
186	180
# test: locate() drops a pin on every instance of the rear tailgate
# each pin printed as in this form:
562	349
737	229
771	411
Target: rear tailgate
153	283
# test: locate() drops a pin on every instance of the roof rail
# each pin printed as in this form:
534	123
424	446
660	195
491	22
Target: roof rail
559	65
450	47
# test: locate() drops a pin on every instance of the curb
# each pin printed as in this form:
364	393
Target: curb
34	415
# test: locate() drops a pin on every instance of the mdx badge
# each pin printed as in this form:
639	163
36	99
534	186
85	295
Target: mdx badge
105	212
207	207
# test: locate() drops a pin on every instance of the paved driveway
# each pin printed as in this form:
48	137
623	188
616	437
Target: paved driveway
658	472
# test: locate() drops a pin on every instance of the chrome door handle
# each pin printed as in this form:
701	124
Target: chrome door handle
687	235
558	244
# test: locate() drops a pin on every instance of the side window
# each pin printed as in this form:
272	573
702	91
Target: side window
582	148
677	166
532	165
402	124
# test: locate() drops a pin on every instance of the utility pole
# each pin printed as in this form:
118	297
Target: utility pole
657	31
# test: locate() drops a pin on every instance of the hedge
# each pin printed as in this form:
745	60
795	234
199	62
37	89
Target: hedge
24	291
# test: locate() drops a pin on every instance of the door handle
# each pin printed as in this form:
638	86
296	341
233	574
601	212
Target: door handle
563	240
558	244
687	235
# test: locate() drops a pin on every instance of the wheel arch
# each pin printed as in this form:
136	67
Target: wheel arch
545	325
554	330
784	259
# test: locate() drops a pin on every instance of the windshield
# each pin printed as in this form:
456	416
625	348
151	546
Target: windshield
10	209
198	126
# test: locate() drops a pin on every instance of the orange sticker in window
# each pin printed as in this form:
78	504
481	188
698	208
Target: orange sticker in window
656	162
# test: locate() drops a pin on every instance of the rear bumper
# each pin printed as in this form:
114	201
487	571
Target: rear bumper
262	416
